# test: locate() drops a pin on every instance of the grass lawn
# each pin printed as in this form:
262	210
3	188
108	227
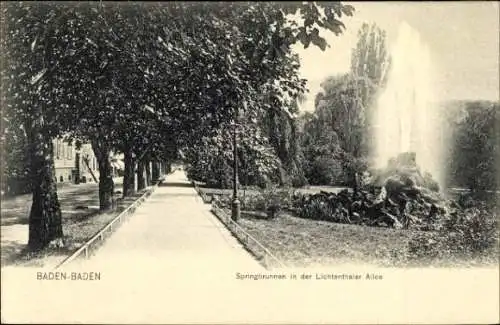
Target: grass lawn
308	243
81	221
302	242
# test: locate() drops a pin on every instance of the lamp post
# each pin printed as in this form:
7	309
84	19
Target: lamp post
77	165
236	210
235	215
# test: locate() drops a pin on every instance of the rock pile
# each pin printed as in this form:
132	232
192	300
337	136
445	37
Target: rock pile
399	197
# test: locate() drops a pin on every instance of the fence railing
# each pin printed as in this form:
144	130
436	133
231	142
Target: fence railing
84	249
205	198
256	248
263	255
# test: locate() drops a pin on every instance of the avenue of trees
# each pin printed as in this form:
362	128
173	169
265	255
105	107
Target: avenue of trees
150	80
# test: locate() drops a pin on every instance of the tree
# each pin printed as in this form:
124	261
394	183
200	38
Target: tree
345	104
33	51
370	64
15	170
262	68
475	149
321	150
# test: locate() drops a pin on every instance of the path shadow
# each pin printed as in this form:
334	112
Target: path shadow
24	220
11	251
175	184
84	216
162	197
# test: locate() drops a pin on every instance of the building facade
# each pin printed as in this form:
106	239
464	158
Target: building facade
74	165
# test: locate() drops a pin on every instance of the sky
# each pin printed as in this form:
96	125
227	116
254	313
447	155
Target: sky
463	38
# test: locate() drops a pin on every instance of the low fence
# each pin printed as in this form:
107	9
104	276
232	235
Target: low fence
205	198
261	253
85	248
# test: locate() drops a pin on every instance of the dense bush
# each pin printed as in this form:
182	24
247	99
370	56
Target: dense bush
474	146
16	185
323	206
316	209
462	234
271	201
325	170
298	180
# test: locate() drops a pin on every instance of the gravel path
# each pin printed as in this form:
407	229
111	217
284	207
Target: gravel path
172	229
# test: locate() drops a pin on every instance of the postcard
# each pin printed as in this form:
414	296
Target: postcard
250	162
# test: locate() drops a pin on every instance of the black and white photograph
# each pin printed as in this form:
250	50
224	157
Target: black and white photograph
250	162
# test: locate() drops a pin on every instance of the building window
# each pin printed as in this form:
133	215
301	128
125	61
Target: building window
58	148
69	152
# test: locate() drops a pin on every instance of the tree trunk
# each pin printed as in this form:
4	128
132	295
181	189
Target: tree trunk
353	180
160	168
77	168
165	167
141	180
106	185
148	173
156	171
129	174
45	221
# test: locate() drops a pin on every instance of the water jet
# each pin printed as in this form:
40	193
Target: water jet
407	130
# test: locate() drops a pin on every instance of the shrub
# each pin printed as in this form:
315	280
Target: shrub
476	229
298	180
255	202
316	209
462	234
271	200
325	170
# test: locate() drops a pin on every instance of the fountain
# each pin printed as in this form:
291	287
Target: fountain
407	151
406	119
408	139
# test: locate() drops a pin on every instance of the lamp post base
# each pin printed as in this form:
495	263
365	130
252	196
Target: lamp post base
235	212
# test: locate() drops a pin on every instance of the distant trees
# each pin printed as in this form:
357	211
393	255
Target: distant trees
270	86
474	149
370	64
336	138
344	110
15	178
321	152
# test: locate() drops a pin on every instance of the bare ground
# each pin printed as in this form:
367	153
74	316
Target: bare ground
81	221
